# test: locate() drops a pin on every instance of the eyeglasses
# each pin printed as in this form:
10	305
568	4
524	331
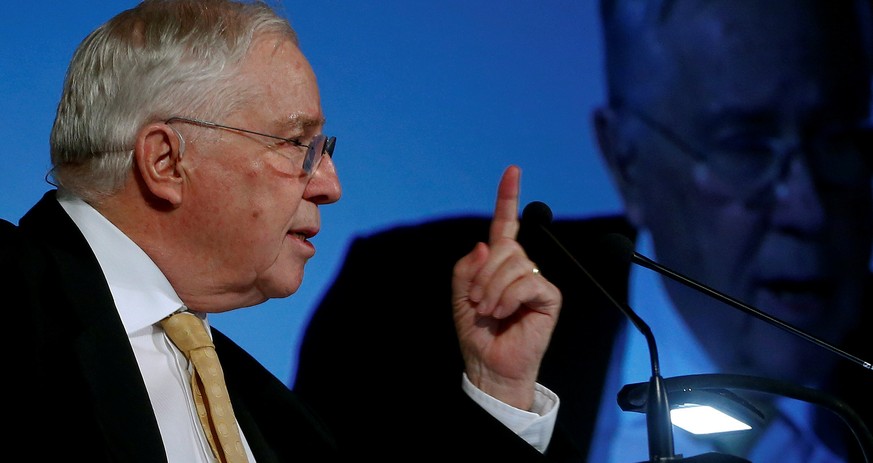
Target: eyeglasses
839	158
316	150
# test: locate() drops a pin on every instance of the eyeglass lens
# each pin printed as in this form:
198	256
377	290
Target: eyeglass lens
314	154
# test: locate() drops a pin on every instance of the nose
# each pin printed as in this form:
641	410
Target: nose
324	186
798	205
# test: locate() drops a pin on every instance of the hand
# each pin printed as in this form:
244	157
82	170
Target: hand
504	311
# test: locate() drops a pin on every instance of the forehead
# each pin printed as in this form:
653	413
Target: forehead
283	84
759	52
774	32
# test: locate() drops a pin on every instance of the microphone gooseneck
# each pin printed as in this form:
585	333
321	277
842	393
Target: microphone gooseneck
658	423
622	247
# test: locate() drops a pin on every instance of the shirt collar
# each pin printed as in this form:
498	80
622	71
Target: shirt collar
142	294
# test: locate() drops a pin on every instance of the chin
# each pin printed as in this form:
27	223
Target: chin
278	289
282	291
282	279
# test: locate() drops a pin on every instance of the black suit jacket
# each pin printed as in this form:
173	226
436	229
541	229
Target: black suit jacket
77	390
388	313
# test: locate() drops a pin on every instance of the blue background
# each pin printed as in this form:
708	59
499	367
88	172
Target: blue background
429	101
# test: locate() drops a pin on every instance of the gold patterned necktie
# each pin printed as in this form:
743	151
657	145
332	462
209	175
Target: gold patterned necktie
207	384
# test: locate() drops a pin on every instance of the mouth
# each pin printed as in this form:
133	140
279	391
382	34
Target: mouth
300	235
798	297
304	248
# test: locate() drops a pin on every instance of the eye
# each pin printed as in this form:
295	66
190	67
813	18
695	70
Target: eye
287	143
744	154
289	148
292	142
746	141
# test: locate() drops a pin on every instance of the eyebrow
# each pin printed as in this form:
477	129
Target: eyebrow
300	121
759	118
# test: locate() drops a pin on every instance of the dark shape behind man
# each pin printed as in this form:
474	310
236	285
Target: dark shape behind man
738	133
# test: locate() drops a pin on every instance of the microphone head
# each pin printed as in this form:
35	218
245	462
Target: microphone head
537	213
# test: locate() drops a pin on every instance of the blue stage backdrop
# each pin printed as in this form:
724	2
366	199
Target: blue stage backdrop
429	102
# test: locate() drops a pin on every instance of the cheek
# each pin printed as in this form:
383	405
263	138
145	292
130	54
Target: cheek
712	243
663	193
252	212
267	216
732	225
731	252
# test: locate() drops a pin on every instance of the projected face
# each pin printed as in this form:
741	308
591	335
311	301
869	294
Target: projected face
748	159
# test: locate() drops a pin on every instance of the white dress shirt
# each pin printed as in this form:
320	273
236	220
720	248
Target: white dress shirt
143	296
620	437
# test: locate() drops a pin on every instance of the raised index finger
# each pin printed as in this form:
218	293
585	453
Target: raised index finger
505	222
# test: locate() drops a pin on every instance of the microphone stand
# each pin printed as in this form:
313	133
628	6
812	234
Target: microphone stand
848	415
657	407
658	424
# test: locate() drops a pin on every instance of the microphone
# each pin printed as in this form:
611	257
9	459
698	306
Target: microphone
658	424
622	248
657	409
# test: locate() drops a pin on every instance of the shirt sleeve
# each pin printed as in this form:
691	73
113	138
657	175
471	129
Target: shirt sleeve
535	426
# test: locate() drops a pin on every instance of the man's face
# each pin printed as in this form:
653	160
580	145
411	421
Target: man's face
250	207
733	79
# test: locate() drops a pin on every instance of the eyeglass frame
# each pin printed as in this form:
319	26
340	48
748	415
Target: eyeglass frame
310	161
769	181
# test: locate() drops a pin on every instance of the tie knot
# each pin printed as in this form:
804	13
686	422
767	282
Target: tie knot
186	331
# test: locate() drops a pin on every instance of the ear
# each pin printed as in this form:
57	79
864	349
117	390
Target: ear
158	155
620	157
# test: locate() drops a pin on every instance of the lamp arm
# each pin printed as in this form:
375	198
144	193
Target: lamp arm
633	396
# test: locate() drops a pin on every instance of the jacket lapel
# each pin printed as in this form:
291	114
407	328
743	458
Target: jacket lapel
104	352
